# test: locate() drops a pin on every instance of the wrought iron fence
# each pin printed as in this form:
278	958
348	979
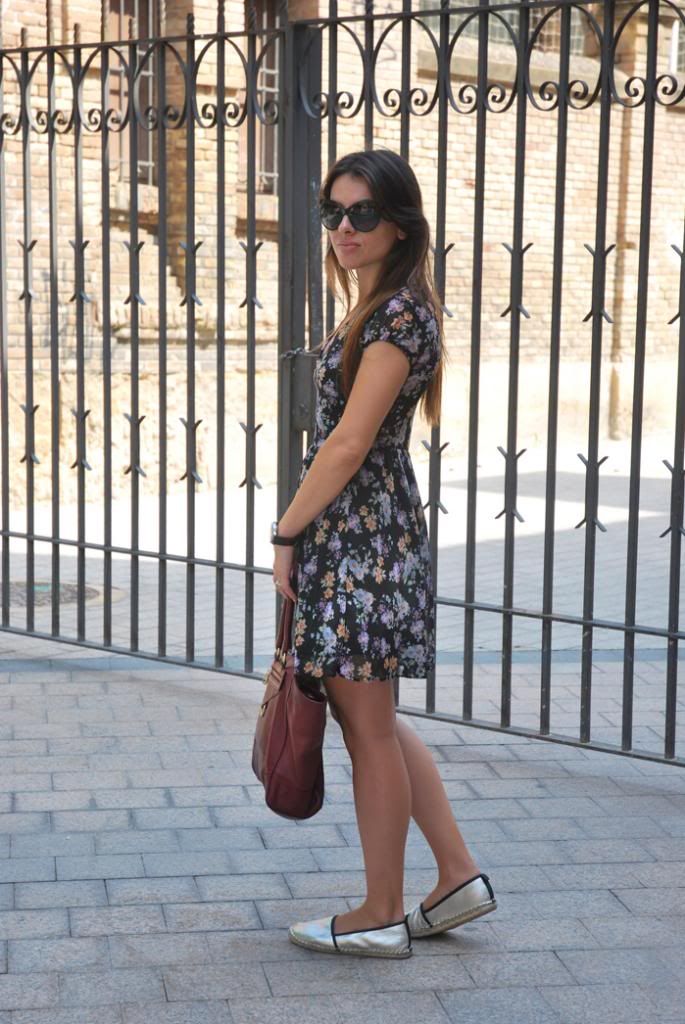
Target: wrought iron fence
288	94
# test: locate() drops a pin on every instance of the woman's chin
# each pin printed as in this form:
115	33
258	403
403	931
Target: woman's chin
348	260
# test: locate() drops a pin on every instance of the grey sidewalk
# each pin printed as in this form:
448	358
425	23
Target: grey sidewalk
143	880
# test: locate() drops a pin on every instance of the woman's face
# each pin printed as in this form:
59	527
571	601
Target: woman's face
360	251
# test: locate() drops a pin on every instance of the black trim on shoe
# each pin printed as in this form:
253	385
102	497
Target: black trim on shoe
490	889
406	925
423	915
467	882
332	932
378	928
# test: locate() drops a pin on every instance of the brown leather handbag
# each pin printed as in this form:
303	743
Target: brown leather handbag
287	754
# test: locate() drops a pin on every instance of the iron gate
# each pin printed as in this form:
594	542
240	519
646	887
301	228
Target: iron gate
239	121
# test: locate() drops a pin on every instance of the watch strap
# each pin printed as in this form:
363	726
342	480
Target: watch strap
285	540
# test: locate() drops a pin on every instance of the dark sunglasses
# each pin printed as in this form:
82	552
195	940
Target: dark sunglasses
364	215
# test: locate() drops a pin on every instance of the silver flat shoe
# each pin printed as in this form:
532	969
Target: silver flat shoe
391	940
471	899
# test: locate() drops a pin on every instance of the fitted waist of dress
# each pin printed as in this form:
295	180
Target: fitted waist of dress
378	443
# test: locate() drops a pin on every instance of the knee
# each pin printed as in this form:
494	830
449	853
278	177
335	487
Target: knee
360	734
366	718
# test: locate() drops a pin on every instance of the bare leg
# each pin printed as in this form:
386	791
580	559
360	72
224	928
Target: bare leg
382	796
431	810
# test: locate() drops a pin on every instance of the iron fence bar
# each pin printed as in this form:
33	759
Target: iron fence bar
29	457
516	308
314	278
292	238
135	300
676	526
162	298
405	66
79	298
105	234
250	246
639	370
287	86
598	312
190	299
332	127
368	74
554	364
220	340
4	371
440	274
474	369
54	349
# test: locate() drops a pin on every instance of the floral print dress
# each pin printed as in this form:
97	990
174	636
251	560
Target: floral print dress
365	606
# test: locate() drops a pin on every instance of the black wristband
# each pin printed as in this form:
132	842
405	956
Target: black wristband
286	541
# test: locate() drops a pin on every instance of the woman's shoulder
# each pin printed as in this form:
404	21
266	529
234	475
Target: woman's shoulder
405	309
409	323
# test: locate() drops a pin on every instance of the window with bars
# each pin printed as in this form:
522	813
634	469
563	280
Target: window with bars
677	60
145	26
263	15
548	39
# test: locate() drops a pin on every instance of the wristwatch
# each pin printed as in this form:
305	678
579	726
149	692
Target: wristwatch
276	539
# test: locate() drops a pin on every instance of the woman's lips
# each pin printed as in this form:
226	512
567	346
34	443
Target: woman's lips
348	245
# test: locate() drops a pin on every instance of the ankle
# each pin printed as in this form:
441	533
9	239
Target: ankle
383	913
455	875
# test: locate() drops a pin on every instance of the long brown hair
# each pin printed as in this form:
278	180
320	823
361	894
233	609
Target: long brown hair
394	188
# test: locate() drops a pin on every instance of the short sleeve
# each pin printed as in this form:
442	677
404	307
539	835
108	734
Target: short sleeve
399	321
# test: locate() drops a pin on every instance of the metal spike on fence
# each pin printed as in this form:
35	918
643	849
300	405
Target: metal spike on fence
594	468
30	456
251	251
677	316
603	312
79	291
135	429
430	448
27	293
507	457
190	252
668	529
192	470
522	252
249	431
81	460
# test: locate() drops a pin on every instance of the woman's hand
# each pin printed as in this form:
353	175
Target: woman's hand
285	565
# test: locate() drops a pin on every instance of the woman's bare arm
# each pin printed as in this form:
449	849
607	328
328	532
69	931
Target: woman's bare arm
382	371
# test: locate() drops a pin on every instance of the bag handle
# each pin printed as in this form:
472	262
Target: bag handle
285	626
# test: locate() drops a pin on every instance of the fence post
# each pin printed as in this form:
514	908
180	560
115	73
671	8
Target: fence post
299	248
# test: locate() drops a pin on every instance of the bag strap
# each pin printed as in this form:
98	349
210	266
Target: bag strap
285	626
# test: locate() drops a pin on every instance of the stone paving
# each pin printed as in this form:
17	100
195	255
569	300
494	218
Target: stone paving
143	881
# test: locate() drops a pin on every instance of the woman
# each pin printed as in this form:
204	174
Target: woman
355	535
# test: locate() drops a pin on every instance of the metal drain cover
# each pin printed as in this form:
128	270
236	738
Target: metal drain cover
42	593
